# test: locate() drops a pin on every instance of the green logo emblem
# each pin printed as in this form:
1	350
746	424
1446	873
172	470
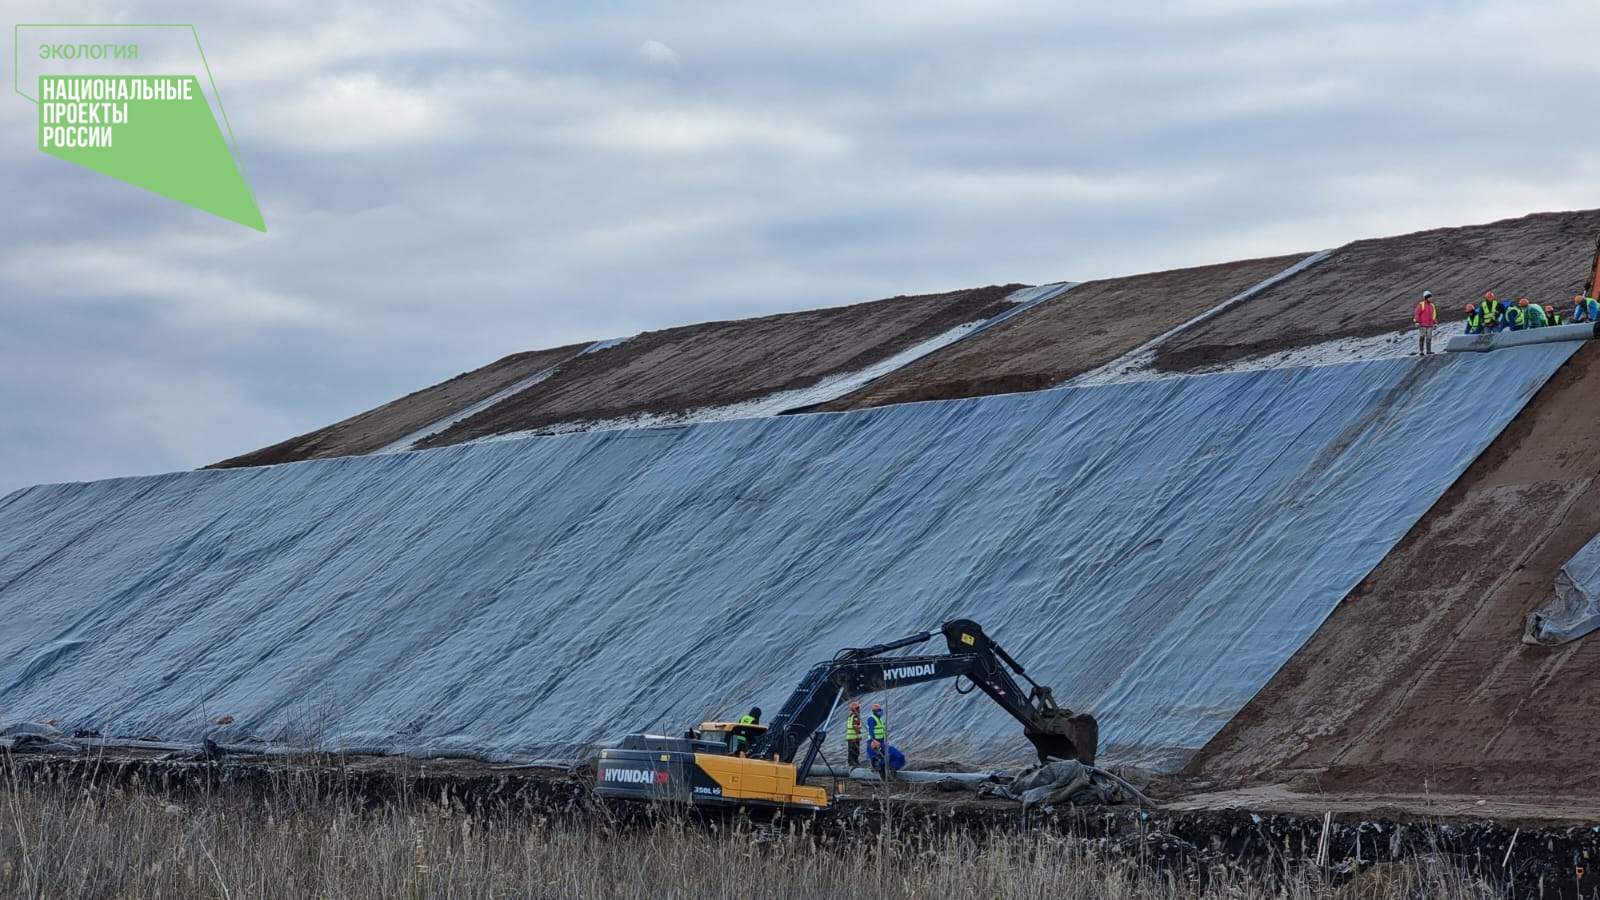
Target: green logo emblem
154	131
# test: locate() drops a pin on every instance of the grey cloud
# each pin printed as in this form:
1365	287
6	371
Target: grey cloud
541	186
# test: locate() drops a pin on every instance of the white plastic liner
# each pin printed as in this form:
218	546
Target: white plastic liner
1575	611
1153	550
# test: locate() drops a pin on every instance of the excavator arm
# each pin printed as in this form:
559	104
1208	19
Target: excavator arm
971	654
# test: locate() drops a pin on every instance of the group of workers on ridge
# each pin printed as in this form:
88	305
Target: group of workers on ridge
1503	315
1493	315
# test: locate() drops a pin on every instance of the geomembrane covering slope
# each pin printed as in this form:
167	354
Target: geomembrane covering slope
1154	550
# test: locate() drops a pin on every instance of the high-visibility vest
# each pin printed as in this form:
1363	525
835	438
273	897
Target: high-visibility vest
1474	321
1515	316
737	741
1555	317
1433	313
876	725
852	727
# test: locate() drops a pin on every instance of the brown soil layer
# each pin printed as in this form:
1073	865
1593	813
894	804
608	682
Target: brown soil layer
1080	330
716	363
1419	680
1370	287
375	428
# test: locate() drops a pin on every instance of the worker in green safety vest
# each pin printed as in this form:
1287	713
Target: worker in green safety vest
1552	314
736	739
1494	313
1474	320
1516	315
877	726
852	734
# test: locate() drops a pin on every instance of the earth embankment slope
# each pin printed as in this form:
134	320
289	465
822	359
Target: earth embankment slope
1369	287
533	596
1419	679
1073	333
376	428
718	363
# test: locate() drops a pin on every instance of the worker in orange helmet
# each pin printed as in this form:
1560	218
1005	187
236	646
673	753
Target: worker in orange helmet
1514	319
1475	320
877	724
1496	313
852	734
881	752
1532	314
1551	313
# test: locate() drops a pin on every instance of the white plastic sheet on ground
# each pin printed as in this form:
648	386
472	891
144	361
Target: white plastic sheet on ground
1576	609
1153	550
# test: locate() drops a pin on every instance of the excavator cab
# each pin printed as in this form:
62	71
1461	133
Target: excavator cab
737	737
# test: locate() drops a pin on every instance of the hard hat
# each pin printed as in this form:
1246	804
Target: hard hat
876	707
855	704
1523	302
875	745
1488	295
1427	294
1470	307
1548	308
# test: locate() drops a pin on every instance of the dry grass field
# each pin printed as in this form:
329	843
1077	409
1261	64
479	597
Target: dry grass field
67	839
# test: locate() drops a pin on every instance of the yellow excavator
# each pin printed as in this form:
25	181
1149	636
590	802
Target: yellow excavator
705	768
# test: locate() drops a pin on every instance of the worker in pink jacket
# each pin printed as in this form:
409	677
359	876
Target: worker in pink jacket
1426	316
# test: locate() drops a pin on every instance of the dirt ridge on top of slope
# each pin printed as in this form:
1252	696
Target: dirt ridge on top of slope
383	425
1419	679
1369	287
1364	288
710	364
1085	328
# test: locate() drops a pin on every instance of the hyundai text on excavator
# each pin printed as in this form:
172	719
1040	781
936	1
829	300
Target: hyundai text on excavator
700	769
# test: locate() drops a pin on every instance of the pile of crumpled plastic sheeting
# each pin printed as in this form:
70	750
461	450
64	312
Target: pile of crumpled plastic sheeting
1576	610
34	737
1069	782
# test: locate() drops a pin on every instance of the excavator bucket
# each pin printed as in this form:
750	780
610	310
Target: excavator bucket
1067	736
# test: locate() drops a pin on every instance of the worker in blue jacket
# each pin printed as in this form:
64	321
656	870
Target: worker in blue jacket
1585	309
875	753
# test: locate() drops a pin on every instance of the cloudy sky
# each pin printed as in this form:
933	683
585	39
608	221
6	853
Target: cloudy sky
447	182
